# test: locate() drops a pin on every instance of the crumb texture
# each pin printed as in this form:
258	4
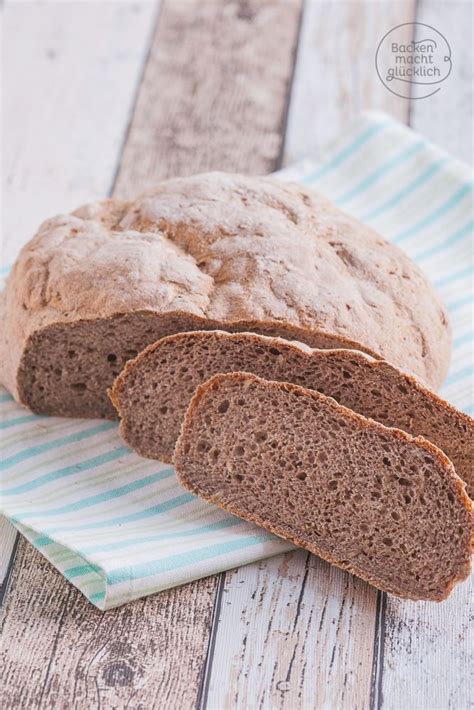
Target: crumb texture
214	251
370	499
154	390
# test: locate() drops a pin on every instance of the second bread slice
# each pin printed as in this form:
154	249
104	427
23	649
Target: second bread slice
154	390
372	500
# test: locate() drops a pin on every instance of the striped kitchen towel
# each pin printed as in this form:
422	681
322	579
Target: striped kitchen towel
119	527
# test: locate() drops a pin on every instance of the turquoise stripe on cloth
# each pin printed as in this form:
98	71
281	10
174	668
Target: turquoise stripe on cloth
120	527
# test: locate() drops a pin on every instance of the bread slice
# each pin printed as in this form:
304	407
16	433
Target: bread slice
154	390
237	253
373	500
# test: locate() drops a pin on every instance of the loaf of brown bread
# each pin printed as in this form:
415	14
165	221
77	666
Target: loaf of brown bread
373	500
213	251
153	391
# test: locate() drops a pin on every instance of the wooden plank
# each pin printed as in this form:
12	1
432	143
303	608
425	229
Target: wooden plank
446	117
306	637
427	648
68	91
7	543
335	75
213	95
59	651
55	108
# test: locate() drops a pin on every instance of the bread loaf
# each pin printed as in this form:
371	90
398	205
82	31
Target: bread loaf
153	391
373	500
213	251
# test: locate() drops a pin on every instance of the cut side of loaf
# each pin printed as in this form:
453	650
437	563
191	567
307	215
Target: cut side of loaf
211	251
373	500
154	390
66	369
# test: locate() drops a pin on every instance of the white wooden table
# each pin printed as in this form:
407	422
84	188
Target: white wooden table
106	98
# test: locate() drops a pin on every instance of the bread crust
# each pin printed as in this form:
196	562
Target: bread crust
233	252
289	347
456	484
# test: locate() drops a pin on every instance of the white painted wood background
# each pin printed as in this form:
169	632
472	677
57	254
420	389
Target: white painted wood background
291	632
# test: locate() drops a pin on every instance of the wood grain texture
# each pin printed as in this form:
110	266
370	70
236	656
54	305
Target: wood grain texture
214	92
446	118
294	632
227	111
335	77
7	542
428	653
58	651
68	89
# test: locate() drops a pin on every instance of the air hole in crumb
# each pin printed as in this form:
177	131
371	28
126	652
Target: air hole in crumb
274	351
395	515
404	482
79	387
386	461
451	496
260	436
301	476
332	485
163	410
241	402
239	451
71	353
203	445
112	357
238	477
387	541
347	375
223	406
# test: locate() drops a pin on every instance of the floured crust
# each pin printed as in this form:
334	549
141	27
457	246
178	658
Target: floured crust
234	251
457	486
